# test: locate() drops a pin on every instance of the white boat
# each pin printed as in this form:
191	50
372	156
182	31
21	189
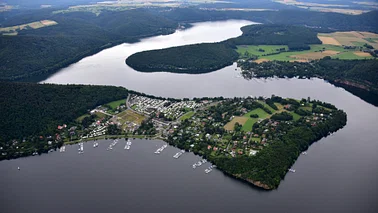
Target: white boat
292	170
18	168
304	153
177	155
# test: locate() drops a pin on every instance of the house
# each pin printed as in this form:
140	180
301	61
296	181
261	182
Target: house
208	147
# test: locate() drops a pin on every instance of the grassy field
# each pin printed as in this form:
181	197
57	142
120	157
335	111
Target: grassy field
230	125
116	104
187	115
249	124
261	113
33	25
254	49
317	51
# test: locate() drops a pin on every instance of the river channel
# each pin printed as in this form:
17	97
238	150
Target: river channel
339	173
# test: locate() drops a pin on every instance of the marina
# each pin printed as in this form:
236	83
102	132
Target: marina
208	170
110	147
81	148
178	154
199	163
128	144
158	151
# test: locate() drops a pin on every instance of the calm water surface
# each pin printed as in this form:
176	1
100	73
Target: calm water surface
339	174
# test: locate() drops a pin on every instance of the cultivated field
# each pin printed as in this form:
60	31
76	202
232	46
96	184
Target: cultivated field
33	25
315	55
230	125
329	40
352	38
317	51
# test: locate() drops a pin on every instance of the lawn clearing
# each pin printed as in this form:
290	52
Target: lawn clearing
254	49
187	115
260	112
249	124
116	104
230	125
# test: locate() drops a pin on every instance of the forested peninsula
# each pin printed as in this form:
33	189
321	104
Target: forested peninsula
207	57
184	59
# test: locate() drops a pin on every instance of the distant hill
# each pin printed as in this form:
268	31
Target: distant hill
40	52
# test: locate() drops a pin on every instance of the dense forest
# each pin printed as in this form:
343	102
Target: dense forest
297	38
320	20
207	57
43	51
197	58
29	110
357	76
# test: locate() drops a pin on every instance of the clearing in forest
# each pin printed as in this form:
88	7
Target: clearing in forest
33	25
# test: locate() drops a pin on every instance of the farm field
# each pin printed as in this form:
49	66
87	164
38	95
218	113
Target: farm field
254	49
317	51
352	38
33	25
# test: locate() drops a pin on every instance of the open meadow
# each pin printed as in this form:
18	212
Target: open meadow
33	25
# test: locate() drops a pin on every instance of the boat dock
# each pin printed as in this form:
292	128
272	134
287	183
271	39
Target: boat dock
199	163
158	151
178	154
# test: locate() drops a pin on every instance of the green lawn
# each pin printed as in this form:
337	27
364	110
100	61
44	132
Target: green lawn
248	125
187	115
261	113
115	104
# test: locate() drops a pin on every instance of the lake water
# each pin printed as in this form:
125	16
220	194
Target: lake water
339	174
